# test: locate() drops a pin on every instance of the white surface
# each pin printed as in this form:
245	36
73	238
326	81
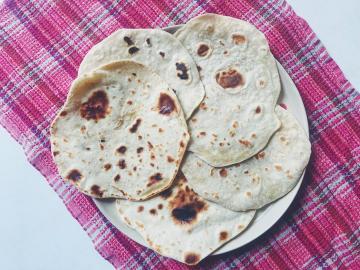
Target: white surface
33	244
336	23
265	217
36	230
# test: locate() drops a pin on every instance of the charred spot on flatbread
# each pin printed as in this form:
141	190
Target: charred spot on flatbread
96	107
186	204
128	41
223	172
238	39
107	166
223	235
122	149
157	177
191	258
95	190
182	144
246	143
122	164
74	175
182	71
153	211
229	78
133	50
135	126
150	145
260	155
203	50
166	104
63	113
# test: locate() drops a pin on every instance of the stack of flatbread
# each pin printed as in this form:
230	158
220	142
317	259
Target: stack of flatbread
183	130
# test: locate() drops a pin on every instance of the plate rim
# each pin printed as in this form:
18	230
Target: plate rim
290	196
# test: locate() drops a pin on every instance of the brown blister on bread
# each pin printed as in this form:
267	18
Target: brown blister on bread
186	204
128	41
63	113
96	107
96	191
223	235
122	164
135	126
229	78
182	71
157	177
150	145
245	143
153	211
203	50
133	50
166	104
238	39
223	172
107	166
122	149
192	258
74	175
260	155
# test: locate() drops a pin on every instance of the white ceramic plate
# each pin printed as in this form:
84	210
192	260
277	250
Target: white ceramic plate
266	217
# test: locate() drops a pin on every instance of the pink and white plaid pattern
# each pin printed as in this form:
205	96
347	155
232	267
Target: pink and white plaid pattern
41	45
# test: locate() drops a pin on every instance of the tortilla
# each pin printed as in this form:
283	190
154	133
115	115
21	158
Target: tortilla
121	133
256	182
160	51
236	119
179	224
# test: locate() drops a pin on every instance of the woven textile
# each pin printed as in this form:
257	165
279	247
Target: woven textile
41	46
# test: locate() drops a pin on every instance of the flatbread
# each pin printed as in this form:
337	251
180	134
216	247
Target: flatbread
181	225
121	133
160	51
236	118
269	175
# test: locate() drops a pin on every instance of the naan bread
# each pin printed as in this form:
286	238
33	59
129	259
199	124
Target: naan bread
121	133
157	49
179	224
236	118
269	175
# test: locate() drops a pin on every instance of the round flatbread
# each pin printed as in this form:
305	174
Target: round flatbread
179	224
157	49
236	118
269	175
121	133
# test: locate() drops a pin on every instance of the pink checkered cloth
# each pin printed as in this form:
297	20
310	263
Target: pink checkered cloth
42	45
